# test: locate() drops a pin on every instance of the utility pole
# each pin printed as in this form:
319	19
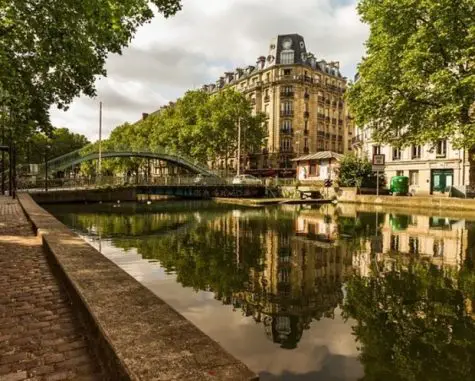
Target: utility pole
100	141
239	148
46	168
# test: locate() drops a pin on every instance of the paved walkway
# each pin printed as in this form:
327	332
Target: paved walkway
40	337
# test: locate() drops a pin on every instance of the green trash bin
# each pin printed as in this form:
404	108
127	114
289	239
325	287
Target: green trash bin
399	185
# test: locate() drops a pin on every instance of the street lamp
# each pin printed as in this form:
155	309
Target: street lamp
47	148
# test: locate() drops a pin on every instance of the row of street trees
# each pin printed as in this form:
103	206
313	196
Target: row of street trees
200	126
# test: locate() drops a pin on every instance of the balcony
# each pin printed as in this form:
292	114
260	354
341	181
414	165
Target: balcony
340	122
286	112
287	131
286	94
334	120
321	116
306	114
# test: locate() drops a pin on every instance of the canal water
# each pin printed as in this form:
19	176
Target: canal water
339	293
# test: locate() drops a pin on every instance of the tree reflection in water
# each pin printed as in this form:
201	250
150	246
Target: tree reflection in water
406	283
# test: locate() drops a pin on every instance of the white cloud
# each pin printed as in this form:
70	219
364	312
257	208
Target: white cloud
169	56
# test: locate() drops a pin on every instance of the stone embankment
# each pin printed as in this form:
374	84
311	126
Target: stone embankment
136	335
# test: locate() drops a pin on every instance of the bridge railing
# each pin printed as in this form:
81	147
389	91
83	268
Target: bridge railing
91	153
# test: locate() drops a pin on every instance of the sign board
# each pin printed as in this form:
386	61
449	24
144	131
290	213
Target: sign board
378	163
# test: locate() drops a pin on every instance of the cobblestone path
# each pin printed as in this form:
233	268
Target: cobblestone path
40	337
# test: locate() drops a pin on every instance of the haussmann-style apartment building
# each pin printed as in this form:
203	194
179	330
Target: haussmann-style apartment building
303	100
432	168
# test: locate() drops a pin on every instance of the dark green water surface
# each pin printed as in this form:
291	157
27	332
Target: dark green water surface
337	293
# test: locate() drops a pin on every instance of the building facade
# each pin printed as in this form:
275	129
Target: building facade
303	100
431	168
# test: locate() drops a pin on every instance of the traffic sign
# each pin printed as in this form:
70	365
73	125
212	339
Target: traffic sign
378	159
378	162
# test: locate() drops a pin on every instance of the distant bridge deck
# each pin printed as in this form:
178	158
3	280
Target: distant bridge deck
131	193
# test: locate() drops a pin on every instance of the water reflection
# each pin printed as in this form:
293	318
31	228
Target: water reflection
405	283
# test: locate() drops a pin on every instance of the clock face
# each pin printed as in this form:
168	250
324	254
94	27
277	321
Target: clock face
287	43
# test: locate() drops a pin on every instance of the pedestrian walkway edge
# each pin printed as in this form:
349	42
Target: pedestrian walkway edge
135	334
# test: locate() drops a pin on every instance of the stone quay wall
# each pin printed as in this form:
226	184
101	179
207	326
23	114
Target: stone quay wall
348	195
136	335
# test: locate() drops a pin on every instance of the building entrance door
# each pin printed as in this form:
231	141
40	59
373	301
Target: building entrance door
441	180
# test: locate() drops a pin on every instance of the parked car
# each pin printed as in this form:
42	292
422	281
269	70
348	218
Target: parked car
246	180
208	180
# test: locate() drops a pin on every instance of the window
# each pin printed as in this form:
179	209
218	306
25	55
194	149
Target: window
286	146
287	57
286	107
287	71
376	150
438	248
413	245
286	125
395	243
413	177
441	149
416	152
399	173
287	89
268	77
305	143
396	153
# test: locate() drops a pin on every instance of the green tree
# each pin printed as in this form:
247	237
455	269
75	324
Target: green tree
201	126
417	81
50	52
356	172
60	142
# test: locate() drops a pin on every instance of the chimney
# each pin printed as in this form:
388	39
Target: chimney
261	61
144	115
229	77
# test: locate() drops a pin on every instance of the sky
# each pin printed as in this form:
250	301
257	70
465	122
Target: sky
196	46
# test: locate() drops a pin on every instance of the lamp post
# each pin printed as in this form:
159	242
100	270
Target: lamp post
47	148
239	148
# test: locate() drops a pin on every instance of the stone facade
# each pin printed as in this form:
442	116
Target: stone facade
431	168
303	100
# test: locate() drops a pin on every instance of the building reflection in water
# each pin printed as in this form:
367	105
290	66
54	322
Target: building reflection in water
287	267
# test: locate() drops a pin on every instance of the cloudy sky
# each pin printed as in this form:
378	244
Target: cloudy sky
207	38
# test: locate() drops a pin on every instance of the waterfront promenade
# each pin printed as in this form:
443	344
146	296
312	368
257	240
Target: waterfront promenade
40	336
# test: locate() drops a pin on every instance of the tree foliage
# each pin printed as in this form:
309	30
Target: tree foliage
356	171
412	322
51	51
200	126
417	81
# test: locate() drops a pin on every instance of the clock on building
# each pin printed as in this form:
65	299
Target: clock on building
287	43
